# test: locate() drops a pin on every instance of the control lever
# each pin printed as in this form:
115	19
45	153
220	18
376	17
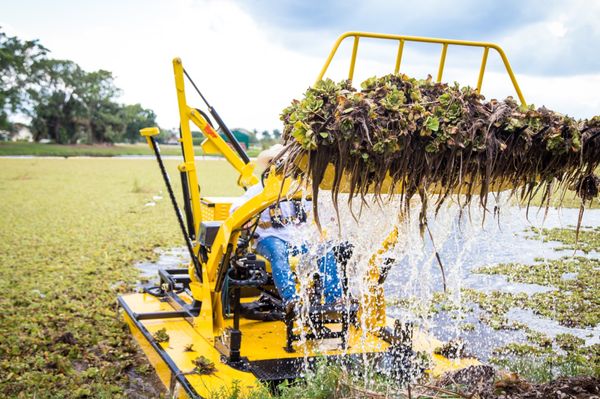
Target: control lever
248	272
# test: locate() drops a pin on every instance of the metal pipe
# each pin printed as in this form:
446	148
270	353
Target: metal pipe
486	51
399	56
418	39
442	62
353	59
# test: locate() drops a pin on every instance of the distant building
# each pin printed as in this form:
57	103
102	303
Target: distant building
20	132
172	137
241	135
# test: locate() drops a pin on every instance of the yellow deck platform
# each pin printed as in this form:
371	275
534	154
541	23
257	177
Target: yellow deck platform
262	344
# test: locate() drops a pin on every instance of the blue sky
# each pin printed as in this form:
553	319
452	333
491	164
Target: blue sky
252	57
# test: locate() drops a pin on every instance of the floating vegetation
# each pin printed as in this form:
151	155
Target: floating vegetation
495	305
569	342
587	241
521	349
537	364
574	304
467	327
203	366
539	339
424	137
69	239
189	348
161	335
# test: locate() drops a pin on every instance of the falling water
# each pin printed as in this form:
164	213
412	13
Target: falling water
464	243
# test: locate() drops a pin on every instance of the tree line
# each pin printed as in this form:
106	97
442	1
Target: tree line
266	138
66	104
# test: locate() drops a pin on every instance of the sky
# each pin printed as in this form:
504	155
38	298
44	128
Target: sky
251	58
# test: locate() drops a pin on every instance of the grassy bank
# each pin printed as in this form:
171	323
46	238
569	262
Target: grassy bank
70	231
82	150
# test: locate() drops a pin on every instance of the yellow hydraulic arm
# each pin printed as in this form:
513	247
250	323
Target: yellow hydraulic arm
213	144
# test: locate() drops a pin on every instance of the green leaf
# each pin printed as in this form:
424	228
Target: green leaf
369	83
431	147
432	123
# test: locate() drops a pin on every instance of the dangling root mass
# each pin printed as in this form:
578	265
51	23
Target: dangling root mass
427	137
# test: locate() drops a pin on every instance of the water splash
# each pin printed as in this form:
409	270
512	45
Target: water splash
415	281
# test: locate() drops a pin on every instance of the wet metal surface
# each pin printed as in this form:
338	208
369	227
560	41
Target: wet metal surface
465	246
469	246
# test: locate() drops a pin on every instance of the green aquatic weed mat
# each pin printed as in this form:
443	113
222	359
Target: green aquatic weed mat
71	231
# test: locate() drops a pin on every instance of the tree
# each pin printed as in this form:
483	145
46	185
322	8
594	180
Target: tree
136	117
276	134
58	112
19	73
97	91
56	119
72	105
265	135
66	104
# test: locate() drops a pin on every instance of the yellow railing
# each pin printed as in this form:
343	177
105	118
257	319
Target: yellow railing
443	42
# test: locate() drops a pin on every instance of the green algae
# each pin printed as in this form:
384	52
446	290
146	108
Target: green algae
161	335
574	303
70	235
588	240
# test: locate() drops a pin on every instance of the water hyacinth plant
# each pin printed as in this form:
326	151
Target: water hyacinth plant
429	137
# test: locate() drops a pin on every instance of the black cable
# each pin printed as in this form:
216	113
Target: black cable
205	116
196	87
186	238
232	140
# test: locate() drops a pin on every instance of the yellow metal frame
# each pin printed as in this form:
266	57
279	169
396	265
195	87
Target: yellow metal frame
211	318
401	39
213	144
259	337
210	321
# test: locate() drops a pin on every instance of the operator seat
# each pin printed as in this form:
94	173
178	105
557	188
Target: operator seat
268	305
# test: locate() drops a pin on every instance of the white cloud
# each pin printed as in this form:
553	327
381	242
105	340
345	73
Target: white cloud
565	43
246	75
249	75
557	28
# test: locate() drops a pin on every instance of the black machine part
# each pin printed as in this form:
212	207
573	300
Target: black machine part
187	205
232	140
243	272
167	180
208	233
403	363
248	272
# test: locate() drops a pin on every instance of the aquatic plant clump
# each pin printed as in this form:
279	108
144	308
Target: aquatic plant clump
400	134
203	366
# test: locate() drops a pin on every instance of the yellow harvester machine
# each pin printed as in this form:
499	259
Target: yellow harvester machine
224	305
